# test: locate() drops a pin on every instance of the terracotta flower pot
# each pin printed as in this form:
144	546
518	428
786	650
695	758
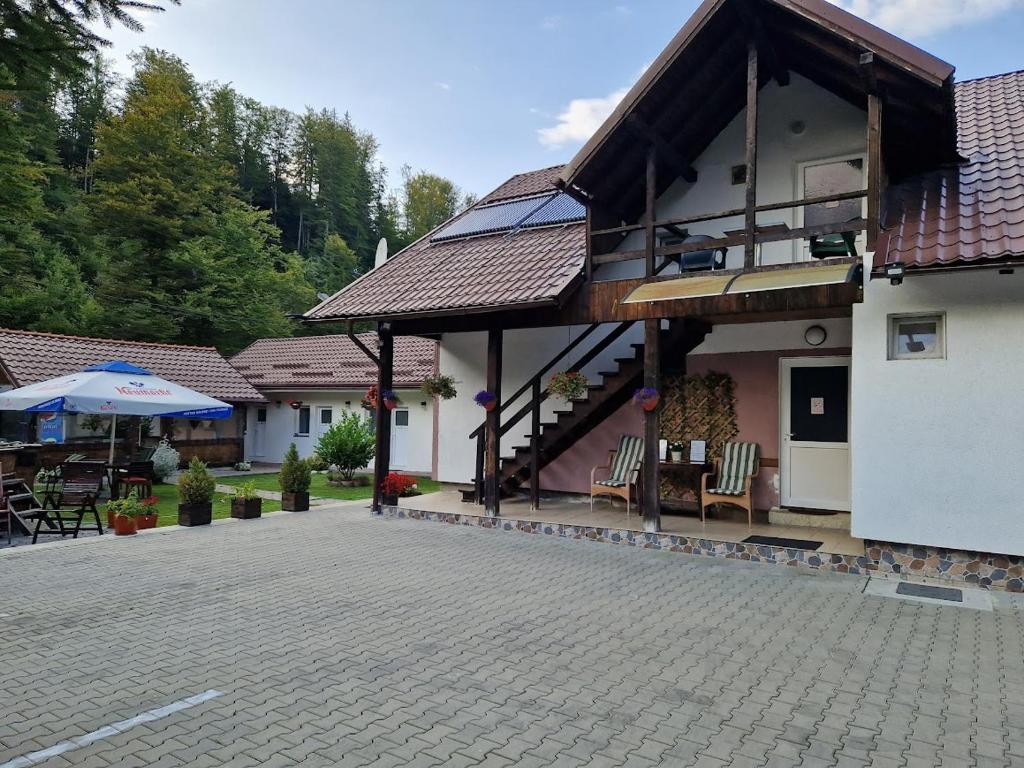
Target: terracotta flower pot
195	514
650	403
142	522
391	404
490	406
246	509
295	502
110	518
124	525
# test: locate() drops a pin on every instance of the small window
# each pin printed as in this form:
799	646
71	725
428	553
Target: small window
326	415
738	173
261	415
913	337
303	417
402	418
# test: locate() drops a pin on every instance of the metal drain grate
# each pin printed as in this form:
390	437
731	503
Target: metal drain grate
925	590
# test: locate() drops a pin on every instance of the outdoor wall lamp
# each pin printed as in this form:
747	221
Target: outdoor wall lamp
295	404
895	271
815	335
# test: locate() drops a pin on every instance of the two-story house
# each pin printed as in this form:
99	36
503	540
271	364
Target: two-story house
803	233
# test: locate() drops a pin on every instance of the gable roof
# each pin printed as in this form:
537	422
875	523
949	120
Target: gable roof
30	356
697	85
525	267
331	362
975	211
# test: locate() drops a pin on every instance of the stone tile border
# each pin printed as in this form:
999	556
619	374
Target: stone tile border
900	560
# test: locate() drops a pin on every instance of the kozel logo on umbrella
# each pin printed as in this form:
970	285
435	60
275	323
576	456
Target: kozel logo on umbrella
139	389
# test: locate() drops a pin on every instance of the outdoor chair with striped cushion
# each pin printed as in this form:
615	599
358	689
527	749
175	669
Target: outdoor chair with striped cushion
733	478
623	471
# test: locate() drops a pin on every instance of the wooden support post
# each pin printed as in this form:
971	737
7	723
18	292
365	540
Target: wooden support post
492	461
874	169
750	216
535	448
649	209
651	502
385	375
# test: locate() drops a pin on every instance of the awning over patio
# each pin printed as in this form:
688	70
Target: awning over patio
710	284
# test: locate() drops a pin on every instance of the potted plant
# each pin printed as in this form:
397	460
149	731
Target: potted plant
647	398
390	399
242	466
440	386
246	503
349	445
370	399
294	480
675	452
148	516
569	385
486	400
195	494
396	485
121	513
165	461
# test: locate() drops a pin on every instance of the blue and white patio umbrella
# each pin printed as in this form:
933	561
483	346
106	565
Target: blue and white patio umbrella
112	389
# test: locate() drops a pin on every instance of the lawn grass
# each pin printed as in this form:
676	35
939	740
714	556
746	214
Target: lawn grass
167	509
319	485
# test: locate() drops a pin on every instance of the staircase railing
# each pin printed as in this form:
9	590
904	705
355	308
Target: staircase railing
538	395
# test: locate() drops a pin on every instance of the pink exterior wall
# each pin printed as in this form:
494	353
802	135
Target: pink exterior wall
756	376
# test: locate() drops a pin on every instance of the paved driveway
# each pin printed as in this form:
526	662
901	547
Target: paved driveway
328	638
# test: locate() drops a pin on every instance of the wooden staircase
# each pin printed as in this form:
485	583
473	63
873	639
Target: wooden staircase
601	401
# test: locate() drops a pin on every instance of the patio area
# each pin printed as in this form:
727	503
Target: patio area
575	511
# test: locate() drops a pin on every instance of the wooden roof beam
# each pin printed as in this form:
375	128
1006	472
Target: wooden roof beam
668	154
770	58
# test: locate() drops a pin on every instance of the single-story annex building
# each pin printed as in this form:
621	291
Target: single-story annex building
27	357
308	382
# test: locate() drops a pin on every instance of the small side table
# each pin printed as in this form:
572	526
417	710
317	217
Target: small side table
687	474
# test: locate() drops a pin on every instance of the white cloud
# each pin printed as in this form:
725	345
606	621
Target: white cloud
549	23
920	18
443	86
578	121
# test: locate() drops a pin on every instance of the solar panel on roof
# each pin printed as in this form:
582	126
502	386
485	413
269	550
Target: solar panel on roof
561	209
500	217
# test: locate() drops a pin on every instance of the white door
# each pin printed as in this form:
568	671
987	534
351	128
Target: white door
259	433
814	455
324	419
400	438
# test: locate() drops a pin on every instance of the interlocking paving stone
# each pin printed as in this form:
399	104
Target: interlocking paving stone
342	640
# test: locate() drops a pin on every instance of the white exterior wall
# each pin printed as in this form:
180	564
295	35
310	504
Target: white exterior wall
833	128
525	351
282	423
938	445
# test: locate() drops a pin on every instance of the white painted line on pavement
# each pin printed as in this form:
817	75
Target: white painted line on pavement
32	758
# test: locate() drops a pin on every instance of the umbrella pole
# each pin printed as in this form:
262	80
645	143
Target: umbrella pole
113	434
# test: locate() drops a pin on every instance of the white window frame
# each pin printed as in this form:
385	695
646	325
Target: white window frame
892	336
801	248
298	420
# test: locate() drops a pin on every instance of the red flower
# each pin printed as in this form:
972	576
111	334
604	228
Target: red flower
151	501
395	484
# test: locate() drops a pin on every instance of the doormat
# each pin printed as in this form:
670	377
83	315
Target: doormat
774	541
935	593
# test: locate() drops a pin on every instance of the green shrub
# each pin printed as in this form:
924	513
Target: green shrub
318	463
246	491
295	475
196	484
349	444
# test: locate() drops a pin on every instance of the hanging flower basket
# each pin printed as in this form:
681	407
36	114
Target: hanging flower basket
569	385
391	400
370	399
647	398
486	400
440	386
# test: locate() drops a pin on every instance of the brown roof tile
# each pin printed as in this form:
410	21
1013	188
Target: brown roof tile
331	362
29	356
975	211
527	267
525	184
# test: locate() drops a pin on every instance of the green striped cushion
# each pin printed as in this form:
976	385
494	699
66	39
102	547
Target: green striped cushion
627	459
738	463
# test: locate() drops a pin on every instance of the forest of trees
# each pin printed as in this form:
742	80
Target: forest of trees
166	209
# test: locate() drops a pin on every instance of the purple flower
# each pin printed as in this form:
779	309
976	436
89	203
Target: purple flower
484	398
646	393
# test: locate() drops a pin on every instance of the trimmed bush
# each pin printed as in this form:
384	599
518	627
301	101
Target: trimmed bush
349	444
295	476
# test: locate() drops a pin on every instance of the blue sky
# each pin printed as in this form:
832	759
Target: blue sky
477	91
